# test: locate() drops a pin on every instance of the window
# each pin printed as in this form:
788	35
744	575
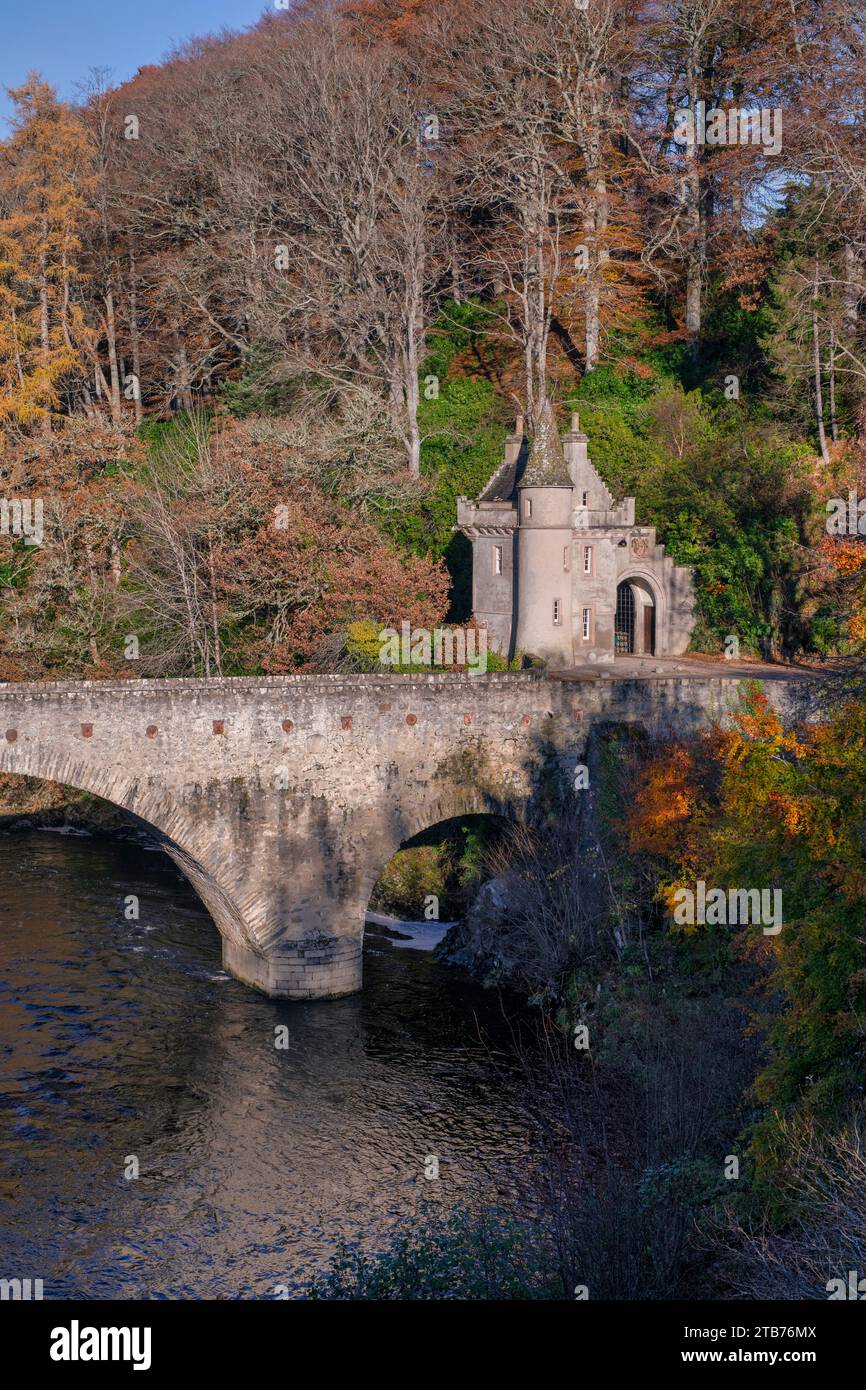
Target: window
557	612
584	499
497	559
527	510
565	551
623	625
587	624
587	559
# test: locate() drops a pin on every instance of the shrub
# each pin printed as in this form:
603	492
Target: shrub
463	1255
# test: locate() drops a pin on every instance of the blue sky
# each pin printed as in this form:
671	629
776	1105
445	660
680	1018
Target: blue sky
64	39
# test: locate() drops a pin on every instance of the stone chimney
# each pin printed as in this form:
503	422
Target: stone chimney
514	442
574	449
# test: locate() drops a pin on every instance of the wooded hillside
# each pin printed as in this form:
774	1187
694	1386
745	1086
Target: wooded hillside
268	308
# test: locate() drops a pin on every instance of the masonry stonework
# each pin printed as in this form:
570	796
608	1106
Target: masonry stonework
283	798
560	570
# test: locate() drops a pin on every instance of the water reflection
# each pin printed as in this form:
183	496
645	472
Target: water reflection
125	1038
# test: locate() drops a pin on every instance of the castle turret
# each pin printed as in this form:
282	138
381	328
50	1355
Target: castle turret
544	581
545	512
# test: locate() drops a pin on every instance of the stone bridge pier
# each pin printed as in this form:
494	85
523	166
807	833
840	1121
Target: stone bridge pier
283	798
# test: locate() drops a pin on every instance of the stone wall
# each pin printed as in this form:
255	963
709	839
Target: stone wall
283	798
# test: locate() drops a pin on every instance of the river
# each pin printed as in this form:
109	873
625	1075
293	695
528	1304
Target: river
124	1040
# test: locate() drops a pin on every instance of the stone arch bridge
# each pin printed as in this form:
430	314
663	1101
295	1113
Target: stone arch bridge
283	798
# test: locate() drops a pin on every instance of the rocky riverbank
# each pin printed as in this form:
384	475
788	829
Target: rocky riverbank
29	803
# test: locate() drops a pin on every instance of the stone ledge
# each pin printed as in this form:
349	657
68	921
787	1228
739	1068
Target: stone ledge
312	684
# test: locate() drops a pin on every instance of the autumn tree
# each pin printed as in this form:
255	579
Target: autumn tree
44	183
510	184
108	252
779	806
590	58
238	564
353	257
61	603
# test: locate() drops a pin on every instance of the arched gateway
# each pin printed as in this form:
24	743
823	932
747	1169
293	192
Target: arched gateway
637	618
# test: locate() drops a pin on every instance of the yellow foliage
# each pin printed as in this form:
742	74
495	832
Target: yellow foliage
45	180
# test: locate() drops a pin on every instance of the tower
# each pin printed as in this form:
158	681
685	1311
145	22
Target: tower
543	598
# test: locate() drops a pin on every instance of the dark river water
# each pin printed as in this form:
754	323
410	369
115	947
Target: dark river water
125	1038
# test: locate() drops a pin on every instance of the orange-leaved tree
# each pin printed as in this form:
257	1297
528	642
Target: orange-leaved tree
46	173
781	808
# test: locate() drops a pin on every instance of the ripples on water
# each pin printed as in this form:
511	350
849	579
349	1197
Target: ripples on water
126	1038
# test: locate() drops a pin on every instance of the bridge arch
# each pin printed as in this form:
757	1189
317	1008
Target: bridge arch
463	823
64	770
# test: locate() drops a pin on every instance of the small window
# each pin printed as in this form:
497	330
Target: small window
497	559
587	559
584	499
565	553
527	511
557	612
587	624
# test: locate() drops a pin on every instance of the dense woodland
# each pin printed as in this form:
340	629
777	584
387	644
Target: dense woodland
268	308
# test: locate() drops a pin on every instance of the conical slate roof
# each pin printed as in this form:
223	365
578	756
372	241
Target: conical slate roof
546	466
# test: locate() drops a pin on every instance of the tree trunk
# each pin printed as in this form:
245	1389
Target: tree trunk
111	338
851	288
45	333
597	255
696	231
412	402
816	361
64	307
832	377
99	380
183	383
456	281
18	367
134	335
